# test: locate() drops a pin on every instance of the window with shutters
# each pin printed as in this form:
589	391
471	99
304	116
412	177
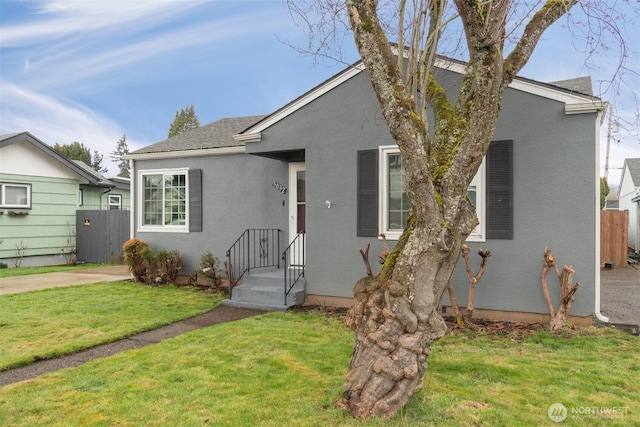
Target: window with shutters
394	204
166	200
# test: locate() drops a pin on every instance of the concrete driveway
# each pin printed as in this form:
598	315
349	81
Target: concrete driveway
32	282
620	296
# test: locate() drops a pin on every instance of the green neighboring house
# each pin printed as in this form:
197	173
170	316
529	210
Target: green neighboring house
111	193
40	192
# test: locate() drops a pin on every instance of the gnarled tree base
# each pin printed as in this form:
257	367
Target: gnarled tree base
392	345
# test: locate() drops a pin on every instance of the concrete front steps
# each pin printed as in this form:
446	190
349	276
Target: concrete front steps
264	290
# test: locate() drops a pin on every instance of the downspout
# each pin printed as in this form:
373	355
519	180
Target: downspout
102	194
132	197
599	316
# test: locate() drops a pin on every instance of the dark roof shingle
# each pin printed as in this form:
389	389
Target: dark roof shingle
581	85
218	134
634	170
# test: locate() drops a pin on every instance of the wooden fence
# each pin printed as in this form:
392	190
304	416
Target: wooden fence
100	234
614	237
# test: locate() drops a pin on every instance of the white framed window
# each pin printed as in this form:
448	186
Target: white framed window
163	200
393	202
80	197
15	195
114	201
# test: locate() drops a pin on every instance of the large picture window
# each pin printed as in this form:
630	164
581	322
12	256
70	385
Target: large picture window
394	203
15	195
164	203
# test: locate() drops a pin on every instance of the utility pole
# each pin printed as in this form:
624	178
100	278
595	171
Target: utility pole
606	161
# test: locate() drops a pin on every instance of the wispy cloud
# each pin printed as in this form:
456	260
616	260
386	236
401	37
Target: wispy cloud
62	63
71	66
53	20
58	120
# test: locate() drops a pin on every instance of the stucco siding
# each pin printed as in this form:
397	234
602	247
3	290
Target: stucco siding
554	194
554	205
237	194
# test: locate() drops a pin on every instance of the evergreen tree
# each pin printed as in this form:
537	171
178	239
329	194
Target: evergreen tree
77	151
117	157
604	192
185	120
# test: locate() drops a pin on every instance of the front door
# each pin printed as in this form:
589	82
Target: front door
297	208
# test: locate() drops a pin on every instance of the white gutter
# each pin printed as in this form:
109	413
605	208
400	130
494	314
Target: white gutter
222	151
602	318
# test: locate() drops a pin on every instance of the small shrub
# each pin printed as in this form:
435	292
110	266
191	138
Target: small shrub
132	250
3	265
210	267
168	265
149	266
70	256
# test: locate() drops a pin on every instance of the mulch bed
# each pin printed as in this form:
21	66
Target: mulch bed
514	330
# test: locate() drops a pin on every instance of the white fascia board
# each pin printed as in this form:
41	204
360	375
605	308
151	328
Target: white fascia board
202	152
294	106
574	103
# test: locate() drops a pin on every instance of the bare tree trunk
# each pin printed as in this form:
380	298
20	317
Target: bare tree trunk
454	305
473	278
395	313
558	318
395	320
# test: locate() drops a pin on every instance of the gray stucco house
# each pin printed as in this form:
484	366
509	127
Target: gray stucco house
325	164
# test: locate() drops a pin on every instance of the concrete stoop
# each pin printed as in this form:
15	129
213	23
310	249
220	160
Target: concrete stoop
265	291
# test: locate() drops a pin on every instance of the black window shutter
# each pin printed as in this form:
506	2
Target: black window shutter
368	193
195	200
500	190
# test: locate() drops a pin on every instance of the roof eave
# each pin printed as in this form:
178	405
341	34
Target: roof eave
201	152
49	151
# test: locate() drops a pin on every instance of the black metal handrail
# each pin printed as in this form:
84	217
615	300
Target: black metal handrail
293	260
255	248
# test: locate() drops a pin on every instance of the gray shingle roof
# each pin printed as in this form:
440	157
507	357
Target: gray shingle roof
8	136
213	135
634	170
100	180
581	85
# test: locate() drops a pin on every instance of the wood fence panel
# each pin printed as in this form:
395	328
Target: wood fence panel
614	237
100	234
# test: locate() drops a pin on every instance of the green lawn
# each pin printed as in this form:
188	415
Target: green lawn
47	323
288	369
23	271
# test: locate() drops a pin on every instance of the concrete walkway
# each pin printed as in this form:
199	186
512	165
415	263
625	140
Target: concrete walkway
218	315
32	282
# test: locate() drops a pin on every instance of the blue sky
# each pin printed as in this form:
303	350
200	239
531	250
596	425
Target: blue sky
91	71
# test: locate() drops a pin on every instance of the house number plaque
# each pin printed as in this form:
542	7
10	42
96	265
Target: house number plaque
281	188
